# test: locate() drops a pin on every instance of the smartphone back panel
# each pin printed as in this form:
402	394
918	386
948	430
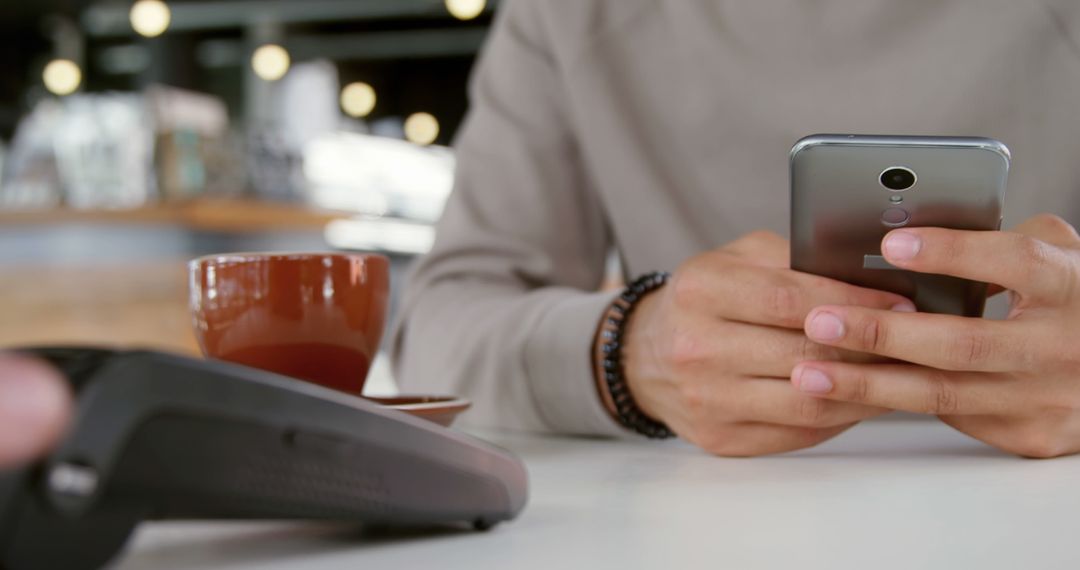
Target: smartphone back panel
848	191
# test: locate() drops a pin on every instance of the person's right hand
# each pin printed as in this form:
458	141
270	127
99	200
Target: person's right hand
710	353
35	408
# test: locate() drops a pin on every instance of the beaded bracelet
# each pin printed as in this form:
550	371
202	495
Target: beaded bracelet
626	409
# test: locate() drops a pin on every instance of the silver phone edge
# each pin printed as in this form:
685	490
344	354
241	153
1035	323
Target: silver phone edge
824	139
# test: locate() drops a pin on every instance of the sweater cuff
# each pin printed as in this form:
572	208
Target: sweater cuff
559	363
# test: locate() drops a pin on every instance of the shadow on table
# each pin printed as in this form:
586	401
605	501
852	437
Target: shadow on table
903	443
205	545
961	451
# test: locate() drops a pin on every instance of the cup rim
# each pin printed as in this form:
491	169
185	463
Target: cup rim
242	256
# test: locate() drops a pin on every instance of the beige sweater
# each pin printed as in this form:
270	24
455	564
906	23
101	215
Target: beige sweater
661	128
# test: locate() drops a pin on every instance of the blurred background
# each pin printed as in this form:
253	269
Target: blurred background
135	135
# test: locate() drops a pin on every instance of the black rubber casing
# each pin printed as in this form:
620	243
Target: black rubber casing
160	436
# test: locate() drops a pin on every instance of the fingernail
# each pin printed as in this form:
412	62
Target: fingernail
813	381
825	326
901	246
904	307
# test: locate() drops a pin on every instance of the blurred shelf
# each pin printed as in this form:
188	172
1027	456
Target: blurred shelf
218	215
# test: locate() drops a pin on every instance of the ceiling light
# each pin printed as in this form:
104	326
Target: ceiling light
358	99
150	18
465	9
421	128
62	77
270	62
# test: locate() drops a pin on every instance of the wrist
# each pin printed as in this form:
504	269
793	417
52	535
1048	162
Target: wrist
609	357
638	364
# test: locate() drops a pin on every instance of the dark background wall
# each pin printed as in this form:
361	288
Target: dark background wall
413	52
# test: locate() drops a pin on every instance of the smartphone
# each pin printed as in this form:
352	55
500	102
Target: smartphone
848	191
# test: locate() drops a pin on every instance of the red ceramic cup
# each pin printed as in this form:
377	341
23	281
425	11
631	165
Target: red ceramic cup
314	316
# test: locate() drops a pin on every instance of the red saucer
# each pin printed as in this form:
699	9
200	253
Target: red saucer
442	410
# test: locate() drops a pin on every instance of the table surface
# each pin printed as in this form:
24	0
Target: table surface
890	493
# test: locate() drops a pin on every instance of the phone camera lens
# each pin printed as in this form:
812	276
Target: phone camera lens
897	178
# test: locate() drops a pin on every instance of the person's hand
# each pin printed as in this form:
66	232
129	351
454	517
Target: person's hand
710	352
1014	384
35	407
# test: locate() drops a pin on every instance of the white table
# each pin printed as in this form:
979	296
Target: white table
887	494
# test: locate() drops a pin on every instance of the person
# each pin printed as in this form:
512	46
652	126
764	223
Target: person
35	408
660	131
657	133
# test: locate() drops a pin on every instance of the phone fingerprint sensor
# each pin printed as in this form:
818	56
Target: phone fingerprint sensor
895	217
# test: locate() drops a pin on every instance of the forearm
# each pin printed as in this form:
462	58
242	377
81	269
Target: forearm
523	357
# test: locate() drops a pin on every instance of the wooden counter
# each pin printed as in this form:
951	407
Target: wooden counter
225	215
127	305
124	302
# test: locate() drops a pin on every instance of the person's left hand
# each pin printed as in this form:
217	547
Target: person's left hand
1014	384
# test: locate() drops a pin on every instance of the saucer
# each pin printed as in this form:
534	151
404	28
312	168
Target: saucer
439	409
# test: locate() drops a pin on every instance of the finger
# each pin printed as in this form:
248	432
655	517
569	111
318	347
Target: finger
942	341
772	401
1030	266
1026	436
763	248
906	387
761	351
35	404
773	297
749	440
1049	228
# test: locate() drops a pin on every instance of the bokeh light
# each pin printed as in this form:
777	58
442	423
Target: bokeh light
150	18
465	9
421	128
62	77
270	62
358	99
